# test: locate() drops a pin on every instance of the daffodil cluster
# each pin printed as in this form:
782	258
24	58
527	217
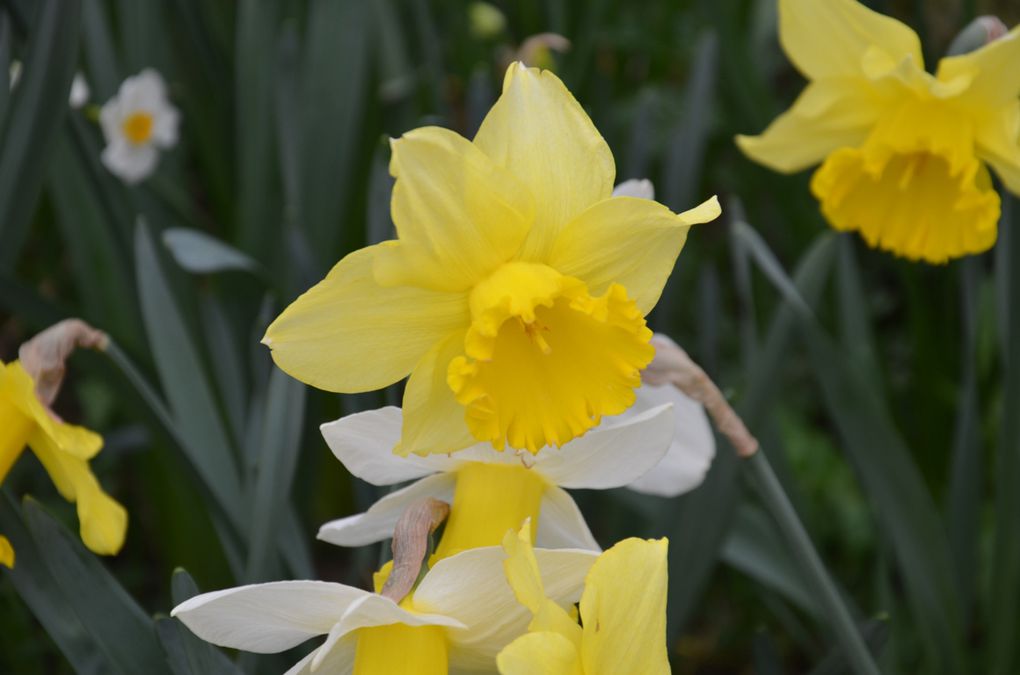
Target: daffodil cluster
514	297
905	153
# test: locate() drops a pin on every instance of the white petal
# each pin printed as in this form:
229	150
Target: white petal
560	523
640	188
375	610
378	522
472	588
613	454
364	442
80	91
144	91
110	118
691	452
130	163
267	618
164	129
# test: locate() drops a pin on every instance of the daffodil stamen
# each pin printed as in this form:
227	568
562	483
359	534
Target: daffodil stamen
137	127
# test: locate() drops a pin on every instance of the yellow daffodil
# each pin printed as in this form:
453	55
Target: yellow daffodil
64	451
515	292
662	445
622	611
459	617
903	152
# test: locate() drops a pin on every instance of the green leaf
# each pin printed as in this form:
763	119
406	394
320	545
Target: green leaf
97	45
876	635
119	626
40	592
1005	582
185	383
755	547
279	450
33	119
201	253
258	210
904	509
5	64
334	82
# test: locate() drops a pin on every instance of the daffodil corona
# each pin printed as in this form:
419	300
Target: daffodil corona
903	152
515	292
622	612
64	451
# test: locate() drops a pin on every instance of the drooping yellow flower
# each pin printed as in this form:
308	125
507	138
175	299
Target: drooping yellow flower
64	451
515	292
622	611
904	153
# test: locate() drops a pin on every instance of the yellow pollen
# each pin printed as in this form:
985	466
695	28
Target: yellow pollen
534	330
137	127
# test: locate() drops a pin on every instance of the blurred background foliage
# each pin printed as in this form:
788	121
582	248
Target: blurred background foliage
886	393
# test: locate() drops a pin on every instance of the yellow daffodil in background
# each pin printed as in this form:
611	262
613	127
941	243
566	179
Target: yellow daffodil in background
622	611
515	292
459	617
903	152
64	451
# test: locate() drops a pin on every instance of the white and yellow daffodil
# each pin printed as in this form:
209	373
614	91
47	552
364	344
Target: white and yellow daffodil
622	612
459	617
662	445
515	292
64	451
903	152
137	123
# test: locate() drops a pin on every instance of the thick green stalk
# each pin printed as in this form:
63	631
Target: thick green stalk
778	504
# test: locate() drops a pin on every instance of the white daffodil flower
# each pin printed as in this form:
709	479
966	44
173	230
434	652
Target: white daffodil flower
459	617
138	122
662	445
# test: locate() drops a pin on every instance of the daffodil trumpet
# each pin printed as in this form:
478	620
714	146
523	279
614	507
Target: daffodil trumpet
27	388
904	153
662	445
515	293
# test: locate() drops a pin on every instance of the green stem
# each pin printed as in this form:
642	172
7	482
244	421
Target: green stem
778	504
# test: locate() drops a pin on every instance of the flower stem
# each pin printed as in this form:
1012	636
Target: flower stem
778	504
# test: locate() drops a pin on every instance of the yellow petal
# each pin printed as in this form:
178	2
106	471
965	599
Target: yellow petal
539	132
840	38
828	114
540	654
15	428
633	242
6	552
998	143
349	334
458	214
992	71
433	419
102	521
623	610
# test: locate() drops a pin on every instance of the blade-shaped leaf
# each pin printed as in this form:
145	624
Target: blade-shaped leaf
201	253
118	625
184	380
33	118
186	653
